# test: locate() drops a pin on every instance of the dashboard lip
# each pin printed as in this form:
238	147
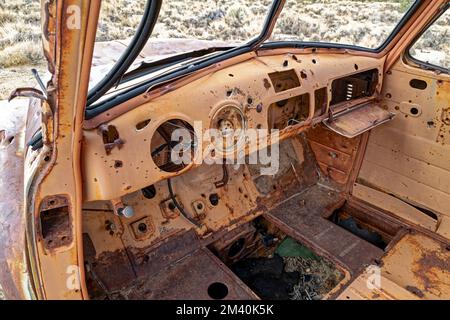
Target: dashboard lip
137	101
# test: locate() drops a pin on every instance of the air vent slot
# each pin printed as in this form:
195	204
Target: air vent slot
353	87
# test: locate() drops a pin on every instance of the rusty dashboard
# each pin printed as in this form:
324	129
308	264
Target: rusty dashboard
287	92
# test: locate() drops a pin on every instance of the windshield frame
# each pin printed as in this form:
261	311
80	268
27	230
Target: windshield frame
422	64
258	43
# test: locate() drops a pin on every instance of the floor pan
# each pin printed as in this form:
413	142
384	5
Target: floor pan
198	276
301	217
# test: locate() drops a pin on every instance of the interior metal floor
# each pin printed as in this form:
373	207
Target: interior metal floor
301	217
191	278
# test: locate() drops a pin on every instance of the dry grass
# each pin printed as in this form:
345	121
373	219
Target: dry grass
364	23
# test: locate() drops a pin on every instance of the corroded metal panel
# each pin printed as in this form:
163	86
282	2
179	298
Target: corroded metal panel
13	269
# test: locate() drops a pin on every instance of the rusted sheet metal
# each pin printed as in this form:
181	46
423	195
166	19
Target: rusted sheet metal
353	122
416	267
360	290
409	157
62	127
154	258
27	92
301	217
13	277
177	267
421	265
192	278
98	174
336	155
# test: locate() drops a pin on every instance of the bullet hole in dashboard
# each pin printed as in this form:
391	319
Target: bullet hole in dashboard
141	125
118	164
414	111
214	199
171	206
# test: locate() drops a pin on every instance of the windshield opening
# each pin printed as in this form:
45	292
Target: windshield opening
181	26
214	22
365	24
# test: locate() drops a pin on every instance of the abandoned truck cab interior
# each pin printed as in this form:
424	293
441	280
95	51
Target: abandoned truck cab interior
272	165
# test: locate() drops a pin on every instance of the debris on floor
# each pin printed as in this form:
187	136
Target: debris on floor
317	277
267	277
293	272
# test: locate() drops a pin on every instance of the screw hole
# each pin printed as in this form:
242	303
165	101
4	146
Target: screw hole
142	227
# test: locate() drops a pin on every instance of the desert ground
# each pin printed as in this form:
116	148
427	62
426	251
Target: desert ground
365	23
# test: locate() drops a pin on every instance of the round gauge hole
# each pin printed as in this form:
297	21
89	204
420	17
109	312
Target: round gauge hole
217	290
173	145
